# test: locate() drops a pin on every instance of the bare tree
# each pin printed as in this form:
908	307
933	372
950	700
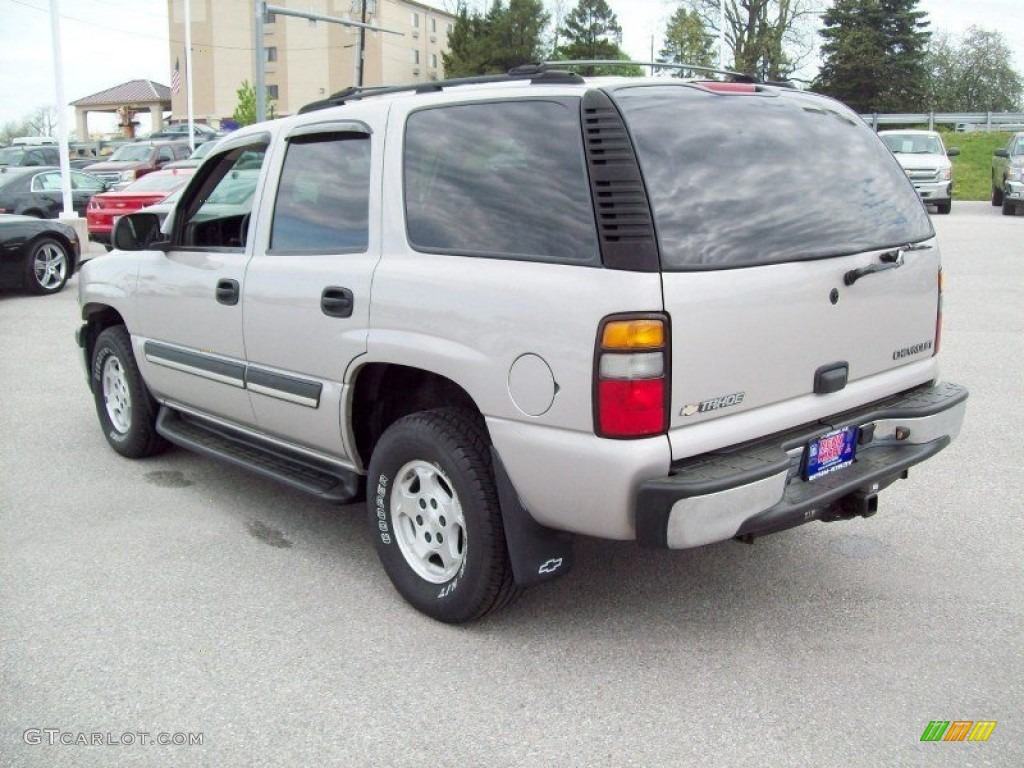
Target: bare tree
43	120
769	38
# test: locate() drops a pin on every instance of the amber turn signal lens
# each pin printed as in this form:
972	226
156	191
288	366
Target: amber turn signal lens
633	334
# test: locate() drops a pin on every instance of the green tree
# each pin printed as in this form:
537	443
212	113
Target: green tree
496	41
973	73
591	31
245	109
874	54
686	41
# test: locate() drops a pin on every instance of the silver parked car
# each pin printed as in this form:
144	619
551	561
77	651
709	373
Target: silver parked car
511	309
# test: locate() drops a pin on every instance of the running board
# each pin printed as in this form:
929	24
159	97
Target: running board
305	473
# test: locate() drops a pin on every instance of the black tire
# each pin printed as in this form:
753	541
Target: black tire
129	423
944	207
47	266
469	575
1009	208
997	194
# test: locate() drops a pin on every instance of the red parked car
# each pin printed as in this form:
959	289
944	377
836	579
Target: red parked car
133	161
152	188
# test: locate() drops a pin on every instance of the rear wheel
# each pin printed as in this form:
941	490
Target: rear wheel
434	514
126	410
47	267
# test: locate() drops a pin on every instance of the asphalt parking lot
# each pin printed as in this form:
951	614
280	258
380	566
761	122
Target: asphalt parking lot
181	596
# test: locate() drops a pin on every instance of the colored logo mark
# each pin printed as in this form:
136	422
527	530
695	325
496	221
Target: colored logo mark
958	730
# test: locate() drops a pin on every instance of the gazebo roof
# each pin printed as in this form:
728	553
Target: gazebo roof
132	92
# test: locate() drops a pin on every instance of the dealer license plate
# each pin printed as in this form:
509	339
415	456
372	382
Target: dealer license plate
830	453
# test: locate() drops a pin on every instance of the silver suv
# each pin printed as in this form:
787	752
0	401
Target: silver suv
513	309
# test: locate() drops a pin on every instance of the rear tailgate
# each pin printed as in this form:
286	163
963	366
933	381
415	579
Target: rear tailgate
782	226
748	338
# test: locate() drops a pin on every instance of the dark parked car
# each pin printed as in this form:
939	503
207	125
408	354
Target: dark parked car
133	161
29	155
202	133
37	191
36	255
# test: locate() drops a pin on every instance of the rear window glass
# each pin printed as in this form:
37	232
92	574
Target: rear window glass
743	180
504	180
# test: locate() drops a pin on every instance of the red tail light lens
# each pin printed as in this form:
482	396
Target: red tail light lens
631	376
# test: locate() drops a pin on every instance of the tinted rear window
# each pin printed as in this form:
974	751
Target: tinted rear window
743	180
504	180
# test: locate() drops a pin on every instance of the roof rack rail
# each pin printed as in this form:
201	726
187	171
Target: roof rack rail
535	73
738	77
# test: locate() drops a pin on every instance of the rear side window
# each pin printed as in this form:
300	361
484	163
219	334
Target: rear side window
744	180
323	199
504	180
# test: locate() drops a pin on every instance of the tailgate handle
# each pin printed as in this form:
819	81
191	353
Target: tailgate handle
888	260
831	378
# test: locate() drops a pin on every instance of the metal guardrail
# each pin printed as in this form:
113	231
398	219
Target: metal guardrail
962	121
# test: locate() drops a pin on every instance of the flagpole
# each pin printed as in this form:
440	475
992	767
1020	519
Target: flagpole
188	73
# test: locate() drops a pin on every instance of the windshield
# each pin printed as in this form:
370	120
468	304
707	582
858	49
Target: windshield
11	155
157	183
132	153
202	150
912	144
745	180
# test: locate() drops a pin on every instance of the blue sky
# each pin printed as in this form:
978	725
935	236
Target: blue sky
106	42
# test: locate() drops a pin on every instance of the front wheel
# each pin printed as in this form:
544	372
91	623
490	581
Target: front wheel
1009	208
434	514
944	207
47	266
997	194
126	410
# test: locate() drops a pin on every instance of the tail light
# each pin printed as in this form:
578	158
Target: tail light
631	376
938	315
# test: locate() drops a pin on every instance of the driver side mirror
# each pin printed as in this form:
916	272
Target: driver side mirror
136	231
952	151
1001	153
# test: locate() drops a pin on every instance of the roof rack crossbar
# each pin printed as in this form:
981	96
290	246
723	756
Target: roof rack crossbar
740	76
536	73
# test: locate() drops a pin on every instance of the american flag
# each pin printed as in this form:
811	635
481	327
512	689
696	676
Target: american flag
176	77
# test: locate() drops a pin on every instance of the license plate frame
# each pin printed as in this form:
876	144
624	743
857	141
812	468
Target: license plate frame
830	452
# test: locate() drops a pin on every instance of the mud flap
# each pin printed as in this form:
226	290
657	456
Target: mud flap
537	553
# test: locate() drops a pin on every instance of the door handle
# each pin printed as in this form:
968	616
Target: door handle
227	292
337	302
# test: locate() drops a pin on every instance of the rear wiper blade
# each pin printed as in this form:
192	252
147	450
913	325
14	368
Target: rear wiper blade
887	260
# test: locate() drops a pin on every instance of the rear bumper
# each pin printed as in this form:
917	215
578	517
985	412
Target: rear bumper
757	489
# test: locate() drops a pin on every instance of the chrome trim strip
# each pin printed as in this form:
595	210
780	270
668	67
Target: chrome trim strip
280	394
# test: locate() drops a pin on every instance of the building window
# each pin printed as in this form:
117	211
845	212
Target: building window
450	28
415	56
270	54
433	61
415	20
433	26
272	92
269	17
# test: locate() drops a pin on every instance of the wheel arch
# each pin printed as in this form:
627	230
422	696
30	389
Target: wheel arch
385	392
97	317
